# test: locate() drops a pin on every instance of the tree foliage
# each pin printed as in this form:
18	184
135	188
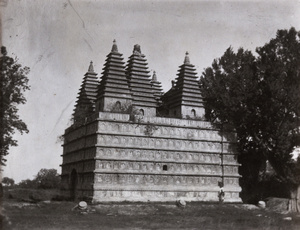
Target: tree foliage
6	181
28	184
13	83
48	178
259	97
45	179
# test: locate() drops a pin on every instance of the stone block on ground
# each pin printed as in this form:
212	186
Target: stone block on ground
277	204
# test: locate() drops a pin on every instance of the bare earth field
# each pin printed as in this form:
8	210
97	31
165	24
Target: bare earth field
59	215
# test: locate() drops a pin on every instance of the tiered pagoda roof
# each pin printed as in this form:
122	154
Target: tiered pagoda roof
156	86
185	90
140	80
85	104
113	82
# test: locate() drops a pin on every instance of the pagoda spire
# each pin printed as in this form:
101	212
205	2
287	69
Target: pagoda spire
143	97
85	104
91	67
184	99
156	86
114	48
154	78
113	93
137	49
187	58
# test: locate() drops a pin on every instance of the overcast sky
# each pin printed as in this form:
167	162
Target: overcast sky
58	39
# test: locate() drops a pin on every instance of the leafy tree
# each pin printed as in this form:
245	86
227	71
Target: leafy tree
28	184
13	82
48	178
279	65
260	98
6	181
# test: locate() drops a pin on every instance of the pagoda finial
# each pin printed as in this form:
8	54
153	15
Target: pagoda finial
137	49
187	58
154	78
91	67
114	48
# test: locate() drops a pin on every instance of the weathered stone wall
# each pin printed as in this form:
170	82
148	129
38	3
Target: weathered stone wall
187	111
156	159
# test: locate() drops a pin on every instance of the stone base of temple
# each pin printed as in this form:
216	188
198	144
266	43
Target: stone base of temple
100	196
104	196
162	196
114	159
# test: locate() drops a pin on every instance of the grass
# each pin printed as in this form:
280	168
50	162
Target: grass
59	215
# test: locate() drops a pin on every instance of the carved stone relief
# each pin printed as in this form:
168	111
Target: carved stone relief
135	179
162	131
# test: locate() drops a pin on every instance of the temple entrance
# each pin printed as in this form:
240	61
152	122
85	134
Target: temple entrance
73	185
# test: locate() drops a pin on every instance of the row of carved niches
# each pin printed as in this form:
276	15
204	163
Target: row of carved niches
177	122
80	167
113	116
189	165
155	120
148	155
161	155
162	131
73	157
164	168
156	168
163	144
153	123
80	132
83	154
148	142
178	181
81	143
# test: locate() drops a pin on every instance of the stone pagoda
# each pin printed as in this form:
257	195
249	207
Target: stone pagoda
143	98
114	94
184	99
157	89
137	144
85	104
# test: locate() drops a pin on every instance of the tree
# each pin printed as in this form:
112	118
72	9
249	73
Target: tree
48	178
13	83
279	65
28	184
6	181
260	98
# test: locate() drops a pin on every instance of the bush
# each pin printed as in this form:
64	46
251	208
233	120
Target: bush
6	181
28	184
48	178
45	179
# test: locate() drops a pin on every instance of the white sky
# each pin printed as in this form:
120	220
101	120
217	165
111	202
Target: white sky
58	39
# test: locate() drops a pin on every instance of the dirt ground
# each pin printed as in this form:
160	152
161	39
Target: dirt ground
59	215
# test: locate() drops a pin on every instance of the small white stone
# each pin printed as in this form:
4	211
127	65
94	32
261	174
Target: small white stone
261	204
287	218
82	205
181	203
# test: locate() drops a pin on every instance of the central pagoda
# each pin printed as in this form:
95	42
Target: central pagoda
143	99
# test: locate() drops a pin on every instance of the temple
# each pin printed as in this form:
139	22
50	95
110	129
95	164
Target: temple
131	142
